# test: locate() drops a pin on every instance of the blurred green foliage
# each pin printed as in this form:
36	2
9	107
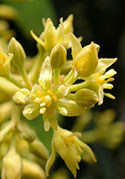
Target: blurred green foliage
30	14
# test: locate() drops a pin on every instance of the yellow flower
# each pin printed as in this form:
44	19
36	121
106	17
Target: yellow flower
70	148
46	97
52	36
102	78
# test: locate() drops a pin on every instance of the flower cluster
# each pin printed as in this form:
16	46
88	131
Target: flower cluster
43	85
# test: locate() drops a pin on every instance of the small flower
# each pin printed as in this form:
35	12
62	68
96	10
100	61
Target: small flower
47	97
101	78
5	62
70	148
52	36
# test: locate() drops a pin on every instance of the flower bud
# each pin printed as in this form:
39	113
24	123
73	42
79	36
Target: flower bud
86	60
19	55
58	56
32	170
86	98
12	165
39	149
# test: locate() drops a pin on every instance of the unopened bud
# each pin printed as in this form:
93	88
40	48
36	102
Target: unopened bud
58	56
86	60
86	98
17	50
32	170
39	149
12	165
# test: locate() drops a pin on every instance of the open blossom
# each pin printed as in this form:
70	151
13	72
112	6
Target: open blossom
52	36
46	98
70	148
100	80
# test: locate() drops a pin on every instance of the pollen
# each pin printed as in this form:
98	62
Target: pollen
39	94
2	58
50	92
55	98
43	99
49	104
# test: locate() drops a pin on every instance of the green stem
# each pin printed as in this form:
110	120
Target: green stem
36	70
56	75
71	78
77	86
14	81
25	77
6	130
7	87
15	114
68	76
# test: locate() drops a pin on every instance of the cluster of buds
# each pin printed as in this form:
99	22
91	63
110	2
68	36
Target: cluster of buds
21	153
46	85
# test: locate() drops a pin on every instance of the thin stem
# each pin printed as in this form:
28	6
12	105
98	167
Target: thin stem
56	75
77	86
6	130
36	70
25	77
71	77
7	87
68	76
15	114
14	81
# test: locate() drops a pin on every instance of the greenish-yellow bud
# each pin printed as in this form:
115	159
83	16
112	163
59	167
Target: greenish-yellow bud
86	98
18	52
39	149
86	60
58	56
32	170
12	165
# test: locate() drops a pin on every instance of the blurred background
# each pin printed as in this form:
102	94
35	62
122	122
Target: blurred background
101	21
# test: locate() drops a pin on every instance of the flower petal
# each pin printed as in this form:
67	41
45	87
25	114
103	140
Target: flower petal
51	159
68	107
45	78
104	63
31	111
65	154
